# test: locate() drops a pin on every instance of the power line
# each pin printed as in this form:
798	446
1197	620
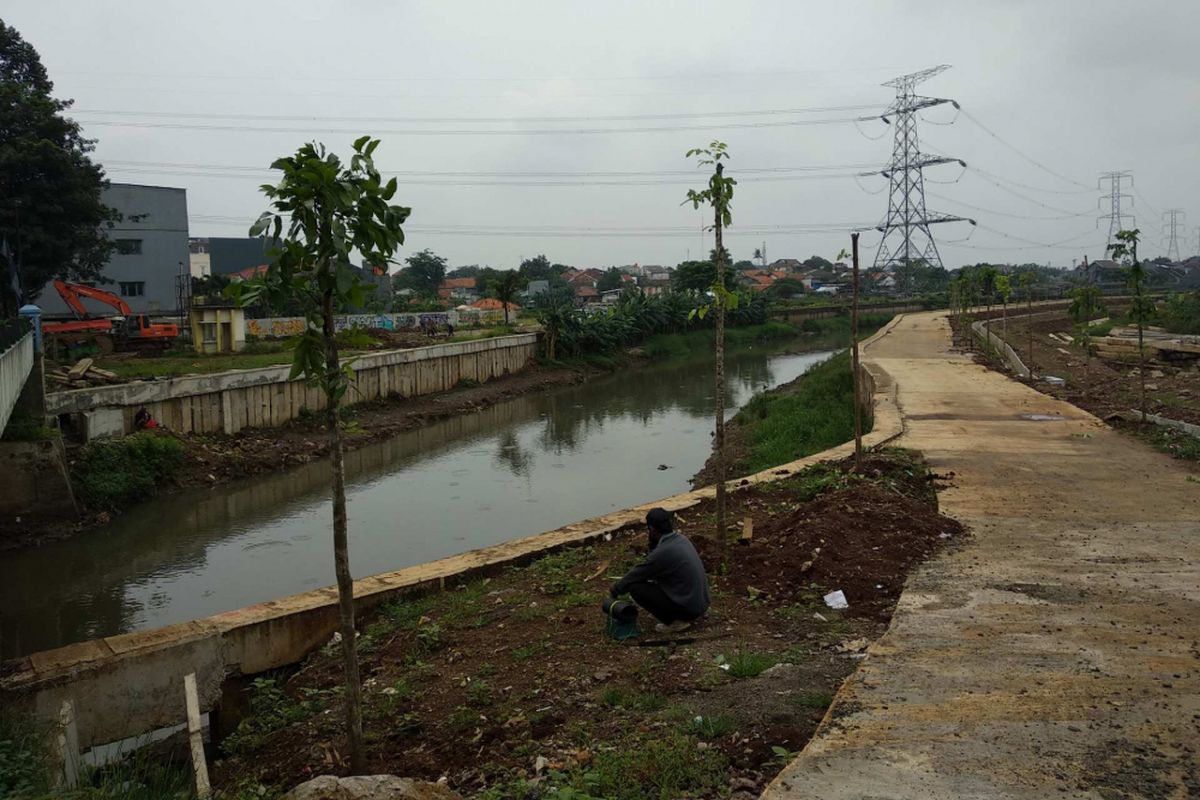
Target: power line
1015	193
473	131
1014	148
1087	213
476	119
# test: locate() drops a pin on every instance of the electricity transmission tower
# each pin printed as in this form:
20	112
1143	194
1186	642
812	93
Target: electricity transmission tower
1198	240
1116	181
1172	217
906	236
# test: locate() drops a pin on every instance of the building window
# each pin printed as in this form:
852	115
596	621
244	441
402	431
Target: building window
132	288
208	332
129	247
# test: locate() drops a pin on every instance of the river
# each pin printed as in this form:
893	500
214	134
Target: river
525	465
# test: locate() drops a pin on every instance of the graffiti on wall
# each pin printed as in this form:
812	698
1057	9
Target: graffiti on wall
283	327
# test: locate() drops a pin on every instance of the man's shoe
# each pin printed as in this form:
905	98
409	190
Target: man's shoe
672	627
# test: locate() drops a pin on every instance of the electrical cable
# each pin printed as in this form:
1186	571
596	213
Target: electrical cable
1015	193
517	119
1030	159
472	131
1004	213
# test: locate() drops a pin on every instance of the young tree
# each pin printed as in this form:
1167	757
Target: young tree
424	274
612	278
1004	289
507	287
329	209
1027	279
717	195
1141	307
1087	303
51	214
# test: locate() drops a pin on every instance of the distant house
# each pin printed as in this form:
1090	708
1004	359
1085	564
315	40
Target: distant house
585	295
464	290
493	310
610	296
535	288
786	265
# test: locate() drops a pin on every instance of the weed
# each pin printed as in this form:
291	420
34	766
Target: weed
429	638
783	756
712	727
406	613
461	607
524	653
270	710
25	756
654	769
815	700
462	719
750	665
111	473
640	701
479	694
797	654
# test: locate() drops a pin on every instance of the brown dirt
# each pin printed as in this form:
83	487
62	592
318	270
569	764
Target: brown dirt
1112	387
494	674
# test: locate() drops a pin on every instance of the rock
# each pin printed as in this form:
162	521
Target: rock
370	787
1154	373
852	646
1151	387
743	785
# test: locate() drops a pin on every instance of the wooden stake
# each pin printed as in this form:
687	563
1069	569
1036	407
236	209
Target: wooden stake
68	744
854	367
747	530
195	736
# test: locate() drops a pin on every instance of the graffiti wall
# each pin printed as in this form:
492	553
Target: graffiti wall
283	327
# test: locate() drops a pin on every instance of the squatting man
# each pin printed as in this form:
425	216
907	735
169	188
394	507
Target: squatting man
671	583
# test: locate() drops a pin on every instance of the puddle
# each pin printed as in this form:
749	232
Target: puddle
1042	417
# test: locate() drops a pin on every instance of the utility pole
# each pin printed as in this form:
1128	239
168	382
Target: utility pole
906	237
1116	181
1173	217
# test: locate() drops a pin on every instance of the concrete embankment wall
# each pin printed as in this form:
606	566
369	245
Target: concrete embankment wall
124	686
226	402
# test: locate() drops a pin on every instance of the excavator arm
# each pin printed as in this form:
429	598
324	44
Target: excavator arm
72	292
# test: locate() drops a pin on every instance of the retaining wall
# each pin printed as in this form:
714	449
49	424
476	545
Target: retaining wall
226	402
802	313
124	686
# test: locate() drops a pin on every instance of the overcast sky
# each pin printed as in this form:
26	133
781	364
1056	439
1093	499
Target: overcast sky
1079	86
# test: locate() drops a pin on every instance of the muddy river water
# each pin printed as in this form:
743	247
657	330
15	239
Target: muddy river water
525	465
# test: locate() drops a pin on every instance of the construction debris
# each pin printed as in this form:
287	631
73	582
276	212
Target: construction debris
1122	344
81	375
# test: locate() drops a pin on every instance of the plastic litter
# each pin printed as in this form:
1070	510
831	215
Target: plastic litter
836	600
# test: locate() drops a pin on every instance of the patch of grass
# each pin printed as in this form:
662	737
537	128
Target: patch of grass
462	606
815	700
462	719
183	363
406	613
26	756
750	665
1170	441
479	694
270	710
644	701
661	768
111	473
675	345
25	427
712	727
815	414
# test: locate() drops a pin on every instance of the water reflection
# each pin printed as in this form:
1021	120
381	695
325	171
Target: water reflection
521	466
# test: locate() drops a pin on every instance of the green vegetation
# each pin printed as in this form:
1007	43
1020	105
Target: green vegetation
29	769
812	414
1181	313
111	473
750	665
815	700
184	363
25	427
671	345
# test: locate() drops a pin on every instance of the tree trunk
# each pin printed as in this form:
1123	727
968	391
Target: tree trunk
505	304
341	554
1141	356
1029	326
854	359
1004	324
719	438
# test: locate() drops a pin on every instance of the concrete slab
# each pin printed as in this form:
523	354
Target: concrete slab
1056	653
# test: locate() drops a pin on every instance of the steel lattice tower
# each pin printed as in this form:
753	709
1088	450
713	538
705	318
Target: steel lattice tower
1114	216
906	236
1172	217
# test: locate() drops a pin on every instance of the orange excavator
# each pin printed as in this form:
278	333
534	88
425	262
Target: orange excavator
127	331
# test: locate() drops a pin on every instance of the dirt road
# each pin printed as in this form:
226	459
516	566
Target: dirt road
1056	654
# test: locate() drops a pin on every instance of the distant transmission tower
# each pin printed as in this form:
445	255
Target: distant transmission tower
1198	240
906	236
1172	217
1116	181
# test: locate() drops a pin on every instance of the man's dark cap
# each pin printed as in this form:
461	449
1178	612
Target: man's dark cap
660	520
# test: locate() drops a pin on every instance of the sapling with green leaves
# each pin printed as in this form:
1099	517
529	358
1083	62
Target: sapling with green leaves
1141	307
1027	279
1004	289
322	210
718	196
1087	303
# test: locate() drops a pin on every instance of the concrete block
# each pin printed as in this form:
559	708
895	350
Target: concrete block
103	422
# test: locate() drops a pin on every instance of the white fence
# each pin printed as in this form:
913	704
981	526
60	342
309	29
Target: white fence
15	365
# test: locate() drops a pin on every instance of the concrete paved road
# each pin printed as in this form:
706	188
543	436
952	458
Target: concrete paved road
1056	653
